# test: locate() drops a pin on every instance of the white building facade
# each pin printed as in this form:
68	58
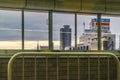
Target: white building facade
89	40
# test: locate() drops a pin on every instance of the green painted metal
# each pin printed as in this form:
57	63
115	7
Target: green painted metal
50	30
99	31
46	68
98	68
67	54
88	67
12	3
23	29
78	68
65	5
23	63
76	31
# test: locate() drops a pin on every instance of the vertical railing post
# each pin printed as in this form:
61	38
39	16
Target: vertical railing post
98	68
108	68
35	68
68	68
23	69
46	68
57	68
88	67
9	74
78	68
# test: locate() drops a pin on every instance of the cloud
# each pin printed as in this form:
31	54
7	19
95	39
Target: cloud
9	29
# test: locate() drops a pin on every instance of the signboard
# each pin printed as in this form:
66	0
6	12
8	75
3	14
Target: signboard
104	22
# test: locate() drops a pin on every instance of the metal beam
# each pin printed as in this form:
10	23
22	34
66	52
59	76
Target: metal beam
99	31
22	29
76	31
50	24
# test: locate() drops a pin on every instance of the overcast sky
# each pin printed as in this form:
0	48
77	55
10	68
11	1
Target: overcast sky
36	25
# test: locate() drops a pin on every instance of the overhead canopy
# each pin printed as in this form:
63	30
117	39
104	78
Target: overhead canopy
65	5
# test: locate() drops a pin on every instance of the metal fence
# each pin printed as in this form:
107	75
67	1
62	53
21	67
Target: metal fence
64	66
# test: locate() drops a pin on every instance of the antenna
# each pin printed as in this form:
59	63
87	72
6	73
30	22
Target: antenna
84	26
37	45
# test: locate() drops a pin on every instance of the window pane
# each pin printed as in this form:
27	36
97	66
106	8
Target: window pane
72	5
113	5
10	29
40	4
12	3
63	31
36	30
93	5
111	40
87	33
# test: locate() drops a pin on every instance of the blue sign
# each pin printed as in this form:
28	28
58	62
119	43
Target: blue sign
102	20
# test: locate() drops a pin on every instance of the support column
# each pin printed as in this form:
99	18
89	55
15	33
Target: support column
22	29
50	30
99	30
75	31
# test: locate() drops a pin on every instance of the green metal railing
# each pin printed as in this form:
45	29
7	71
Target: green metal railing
67	55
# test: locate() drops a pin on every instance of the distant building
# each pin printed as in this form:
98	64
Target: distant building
89	39
44	47
65	37
105	25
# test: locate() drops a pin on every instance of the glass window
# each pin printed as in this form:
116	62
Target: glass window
36	30
63	31
111	32
86	32
94	5
113	5
72	5
10	29
38	4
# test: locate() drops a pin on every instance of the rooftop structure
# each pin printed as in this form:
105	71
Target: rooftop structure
89	39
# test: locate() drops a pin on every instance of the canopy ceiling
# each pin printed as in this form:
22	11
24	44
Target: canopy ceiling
65	5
